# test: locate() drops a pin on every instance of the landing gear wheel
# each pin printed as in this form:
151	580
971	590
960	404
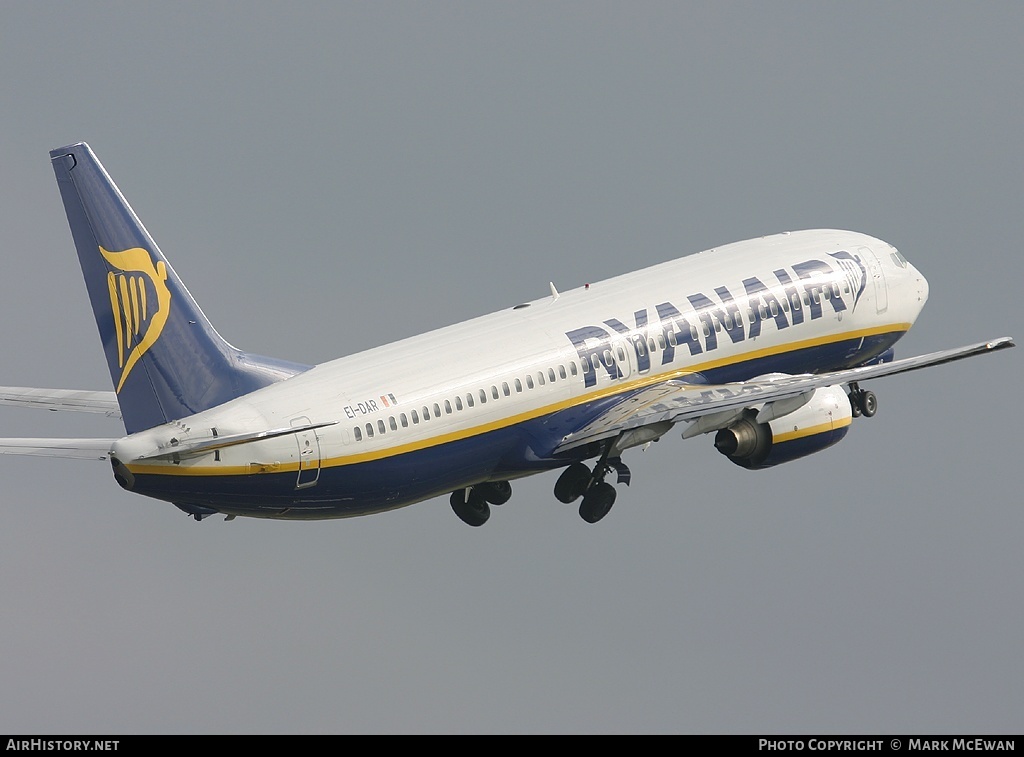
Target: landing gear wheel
473	511
495	492
572	483
597	502
868	403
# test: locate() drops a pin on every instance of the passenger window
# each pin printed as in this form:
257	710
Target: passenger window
469	400
504	388
774	308
707	329
359	434
369	430
572	368
607	359
393	423
494	392
529	382
415	418
447	407
585	364
380	426
561	371
458	403
540	378
651	345
483	396
551	375
671	339
404	420
519	385
640	348
437	410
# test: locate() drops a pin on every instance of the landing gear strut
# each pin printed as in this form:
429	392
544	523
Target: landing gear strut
862	402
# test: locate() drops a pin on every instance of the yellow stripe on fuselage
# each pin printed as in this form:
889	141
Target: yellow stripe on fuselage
511	420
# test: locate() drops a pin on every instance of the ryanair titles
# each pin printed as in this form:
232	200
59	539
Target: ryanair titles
795	298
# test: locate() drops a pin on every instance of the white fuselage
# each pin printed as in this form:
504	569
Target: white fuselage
795	302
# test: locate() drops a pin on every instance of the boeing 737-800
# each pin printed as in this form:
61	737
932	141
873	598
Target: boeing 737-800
764	343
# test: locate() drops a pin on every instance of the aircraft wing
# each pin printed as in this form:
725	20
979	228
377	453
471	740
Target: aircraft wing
710	406
81	449
77	400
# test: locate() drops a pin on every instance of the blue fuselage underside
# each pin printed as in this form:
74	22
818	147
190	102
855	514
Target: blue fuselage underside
505	453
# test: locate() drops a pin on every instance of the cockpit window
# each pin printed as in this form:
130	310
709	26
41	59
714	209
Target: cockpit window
899	259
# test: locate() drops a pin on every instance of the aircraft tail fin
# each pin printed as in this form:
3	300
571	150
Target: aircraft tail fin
166	360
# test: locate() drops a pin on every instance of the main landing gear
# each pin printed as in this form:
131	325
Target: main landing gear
598	495
862	402
472	505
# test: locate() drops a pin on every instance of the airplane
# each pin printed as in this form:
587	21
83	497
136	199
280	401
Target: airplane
764	343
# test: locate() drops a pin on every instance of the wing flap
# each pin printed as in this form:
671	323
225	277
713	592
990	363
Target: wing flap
677	401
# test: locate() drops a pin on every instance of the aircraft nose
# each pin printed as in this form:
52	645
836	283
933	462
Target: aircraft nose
922	286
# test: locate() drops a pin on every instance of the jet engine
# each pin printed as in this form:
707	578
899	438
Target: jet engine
818	424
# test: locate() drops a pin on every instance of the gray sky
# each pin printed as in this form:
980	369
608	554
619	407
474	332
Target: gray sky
330	176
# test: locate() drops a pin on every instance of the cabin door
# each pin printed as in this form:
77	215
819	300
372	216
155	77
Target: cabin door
877	275
309	455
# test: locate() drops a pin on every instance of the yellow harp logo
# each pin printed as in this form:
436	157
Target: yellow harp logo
134	293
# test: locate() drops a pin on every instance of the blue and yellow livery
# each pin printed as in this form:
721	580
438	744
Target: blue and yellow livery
763	343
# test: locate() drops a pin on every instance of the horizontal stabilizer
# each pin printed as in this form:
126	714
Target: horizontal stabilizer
75	400
191	447
79	449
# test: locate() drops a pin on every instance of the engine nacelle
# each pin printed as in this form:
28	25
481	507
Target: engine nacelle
819	424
